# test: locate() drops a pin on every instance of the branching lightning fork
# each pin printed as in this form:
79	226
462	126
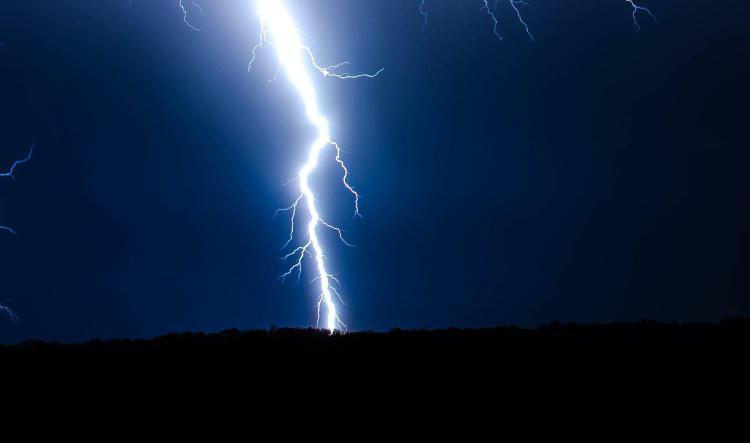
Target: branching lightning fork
277	30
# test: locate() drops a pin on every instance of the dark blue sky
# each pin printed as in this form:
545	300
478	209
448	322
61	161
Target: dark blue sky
593	174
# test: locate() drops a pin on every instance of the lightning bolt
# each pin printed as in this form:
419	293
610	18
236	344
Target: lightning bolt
492	16
637	8
424	14
185	14
10	173
278	31
491	13
8	312
514	5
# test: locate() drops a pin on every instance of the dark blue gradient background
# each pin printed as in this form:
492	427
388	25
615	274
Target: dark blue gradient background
593	174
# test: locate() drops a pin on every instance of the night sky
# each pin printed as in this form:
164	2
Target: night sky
593	174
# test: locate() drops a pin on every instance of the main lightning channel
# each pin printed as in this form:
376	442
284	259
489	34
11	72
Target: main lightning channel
278	31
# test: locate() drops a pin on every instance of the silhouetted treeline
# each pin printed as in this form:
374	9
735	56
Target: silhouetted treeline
626	339
617	356
586	372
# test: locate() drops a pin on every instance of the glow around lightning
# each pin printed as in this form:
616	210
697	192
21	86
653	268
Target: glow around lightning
277	30
9	173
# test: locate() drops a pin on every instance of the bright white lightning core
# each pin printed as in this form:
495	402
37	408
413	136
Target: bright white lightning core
278	31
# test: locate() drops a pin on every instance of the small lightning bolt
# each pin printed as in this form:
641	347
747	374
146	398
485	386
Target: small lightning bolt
185	14
515	4
637	8
491	13
278	31
8	312
493	18
10	173
424	14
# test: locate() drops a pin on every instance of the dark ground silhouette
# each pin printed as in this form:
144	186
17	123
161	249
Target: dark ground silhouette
623	338
677	362
641	343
